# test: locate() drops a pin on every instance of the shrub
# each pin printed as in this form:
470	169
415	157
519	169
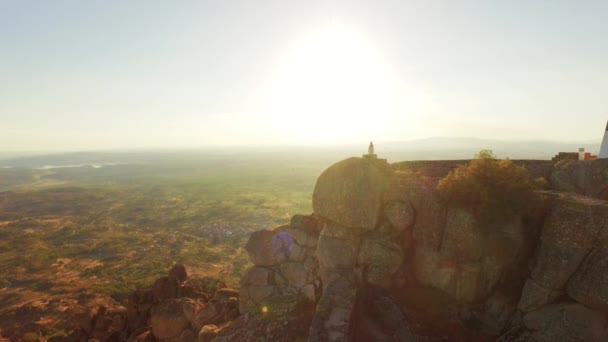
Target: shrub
494	189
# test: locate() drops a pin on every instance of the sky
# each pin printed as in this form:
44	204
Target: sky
78	75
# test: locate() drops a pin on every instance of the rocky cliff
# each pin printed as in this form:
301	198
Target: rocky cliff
385	259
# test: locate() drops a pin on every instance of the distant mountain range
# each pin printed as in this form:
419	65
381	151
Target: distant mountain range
419	149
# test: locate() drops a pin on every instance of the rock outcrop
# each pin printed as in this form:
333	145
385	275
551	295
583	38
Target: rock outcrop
174	309
388	259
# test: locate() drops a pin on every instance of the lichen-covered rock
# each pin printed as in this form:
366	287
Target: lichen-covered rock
401	215
463	238
589	284
379	258
569	233
566	322
584	177
350	192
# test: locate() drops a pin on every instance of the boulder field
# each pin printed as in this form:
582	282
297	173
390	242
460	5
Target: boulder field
384	258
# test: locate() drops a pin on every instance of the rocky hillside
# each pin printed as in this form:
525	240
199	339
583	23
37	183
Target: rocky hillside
385	258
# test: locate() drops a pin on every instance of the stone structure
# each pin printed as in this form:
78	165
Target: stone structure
370	152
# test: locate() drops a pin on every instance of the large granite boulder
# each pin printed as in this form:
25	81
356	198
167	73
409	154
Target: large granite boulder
401	215
584	177
350	192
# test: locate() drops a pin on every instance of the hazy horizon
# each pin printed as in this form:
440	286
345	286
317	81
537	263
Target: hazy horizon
435	148
295	145
115	75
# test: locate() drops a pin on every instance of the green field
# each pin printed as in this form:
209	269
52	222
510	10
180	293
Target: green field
107	230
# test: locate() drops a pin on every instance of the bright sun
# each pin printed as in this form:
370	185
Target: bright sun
332	86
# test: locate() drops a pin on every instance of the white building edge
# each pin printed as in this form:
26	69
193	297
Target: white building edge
604	147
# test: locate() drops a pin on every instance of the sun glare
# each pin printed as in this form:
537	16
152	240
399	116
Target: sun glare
332	86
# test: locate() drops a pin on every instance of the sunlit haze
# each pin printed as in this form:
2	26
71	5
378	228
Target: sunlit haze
80	75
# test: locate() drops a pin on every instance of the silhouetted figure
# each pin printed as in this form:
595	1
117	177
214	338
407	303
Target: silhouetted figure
370	149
